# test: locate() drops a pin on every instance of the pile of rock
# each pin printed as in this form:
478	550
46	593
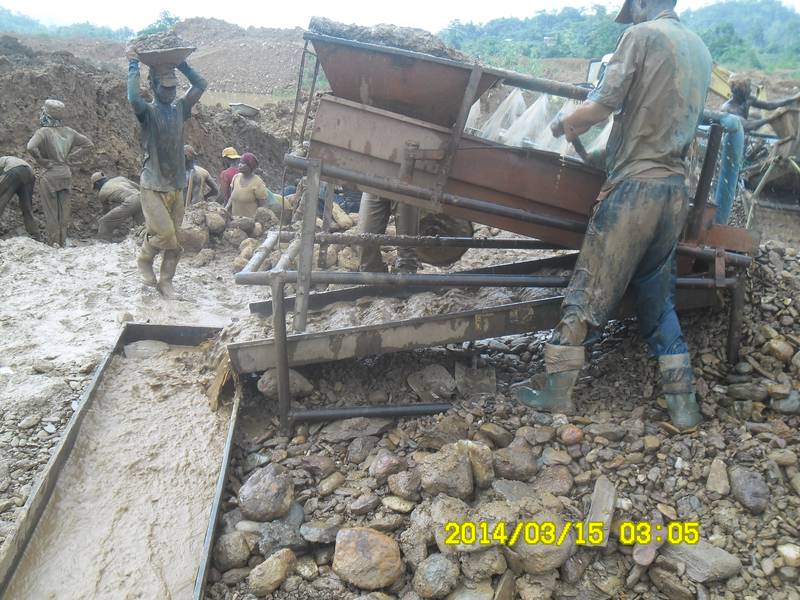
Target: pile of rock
208	224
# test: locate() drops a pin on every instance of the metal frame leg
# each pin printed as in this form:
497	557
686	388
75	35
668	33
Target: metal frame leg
735	322
305	264
281	356
327	216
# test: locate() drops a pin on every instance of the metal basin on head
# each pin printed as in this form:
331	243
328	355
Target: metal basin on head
417	85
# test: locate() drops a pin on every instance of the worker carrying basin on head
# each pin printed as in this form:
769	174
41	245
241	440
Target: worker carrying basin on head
121	202
655	86
163	177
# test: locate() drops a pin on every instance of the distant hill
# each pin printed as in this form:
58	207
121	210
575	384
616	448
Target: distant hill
760	34
17	23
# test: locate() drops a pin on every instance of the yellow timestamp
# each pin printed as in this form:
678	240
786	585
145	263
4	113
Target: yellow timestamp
645	532
547	533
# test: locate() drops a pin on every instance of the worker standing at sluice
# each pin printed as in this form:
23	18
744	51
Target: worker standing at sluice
163	178
655	85
123	195
373	217
55	147
17	178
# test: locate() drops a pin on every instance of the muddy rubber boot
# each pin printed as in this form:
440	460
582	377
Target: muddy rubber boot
676	377
168	266
563	364
144	262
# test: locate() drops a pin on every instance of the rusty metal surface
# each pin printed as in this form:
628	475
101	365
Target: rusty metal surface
370	141
410	83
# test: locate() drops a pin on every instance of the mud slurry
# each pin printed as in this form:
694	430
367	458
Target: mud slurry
129	512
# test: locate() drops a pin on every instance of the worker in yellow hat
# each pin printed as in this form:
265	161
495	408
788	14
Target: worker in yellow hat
655	86
230	162
121	202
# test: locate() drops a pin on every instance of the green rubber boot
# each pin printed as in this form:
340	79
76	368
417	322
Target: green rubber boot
169	263
563	365
676	380
144	262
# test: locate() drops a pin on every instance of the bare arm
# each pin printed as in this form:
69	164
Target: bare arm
199	86
586	116
772	105
754	124
213	189
134	97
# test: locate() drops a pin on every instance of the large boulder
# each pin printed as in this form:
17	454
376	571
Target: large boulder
367	558
267	494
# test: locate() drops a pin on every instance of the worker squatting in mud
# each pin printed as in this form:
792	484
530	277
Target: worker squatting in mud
655	85
163	177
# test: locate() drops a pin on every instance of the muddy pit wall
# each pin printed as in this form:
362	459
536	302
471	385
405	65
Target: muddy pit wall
130	509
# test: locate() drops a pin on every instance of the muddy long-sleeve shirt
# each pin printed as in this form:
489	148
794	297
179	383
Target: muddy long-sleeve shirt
116	190
163	162
54	149
656	84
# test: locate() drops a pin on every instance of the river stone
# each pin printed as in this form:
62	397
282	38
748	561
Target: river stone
282	533
433	383
306	567
517	463
610	431
269	575
235	576
540	558
781	350
670	584
329	485
366	558
538	587
359	449
749	488
506	587
500	437
397	504
483	564
790	554
364	504
299	386
267	494
754	392
231	551
718	478
436	576
406	485
386	463
447	471
448	430
704	562
482	462
215	223
348	429
555	479
319	532
784	457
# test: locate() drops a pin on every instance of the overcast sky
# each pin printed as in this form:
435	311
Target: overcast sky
426	14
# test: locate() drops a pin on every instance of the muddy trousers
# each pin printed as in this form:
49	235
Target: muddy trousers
163	215
373	217
630	240
19	181
57	206
131	208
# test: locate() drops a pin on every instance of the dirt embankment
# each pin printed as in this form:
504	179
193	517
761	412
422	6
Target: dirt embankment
97	106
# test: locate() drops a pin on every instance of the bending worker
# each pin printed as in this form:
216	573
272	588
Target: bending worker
163	176
55	147
199	183
655	85
123	194
735	122
17	178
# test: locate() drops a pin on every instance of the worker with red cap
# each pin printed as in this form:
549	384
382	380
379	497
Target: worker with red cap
655	86
248	190
163	178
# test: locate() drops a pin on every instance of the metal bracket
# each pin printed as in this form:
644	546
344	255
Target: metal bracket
719	267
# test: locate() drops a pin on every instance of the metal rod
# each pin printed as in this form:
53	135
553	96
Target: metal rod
261	253
288	256
735	323
306	260
398	187
281	358
443	279
310	100
757	192
732	258
704	182
402	241
297	95
539	84
327	216
347	412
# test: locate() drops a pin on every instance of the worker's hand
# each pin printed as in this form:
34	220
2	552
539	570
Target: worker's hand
557	127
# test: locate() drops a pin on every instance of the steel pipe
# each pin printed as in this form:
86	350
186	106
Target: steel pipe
332	414
261	253
281	359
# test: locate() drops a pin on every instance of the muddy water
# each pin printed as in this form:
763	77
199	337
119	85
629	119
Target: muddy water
128	516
